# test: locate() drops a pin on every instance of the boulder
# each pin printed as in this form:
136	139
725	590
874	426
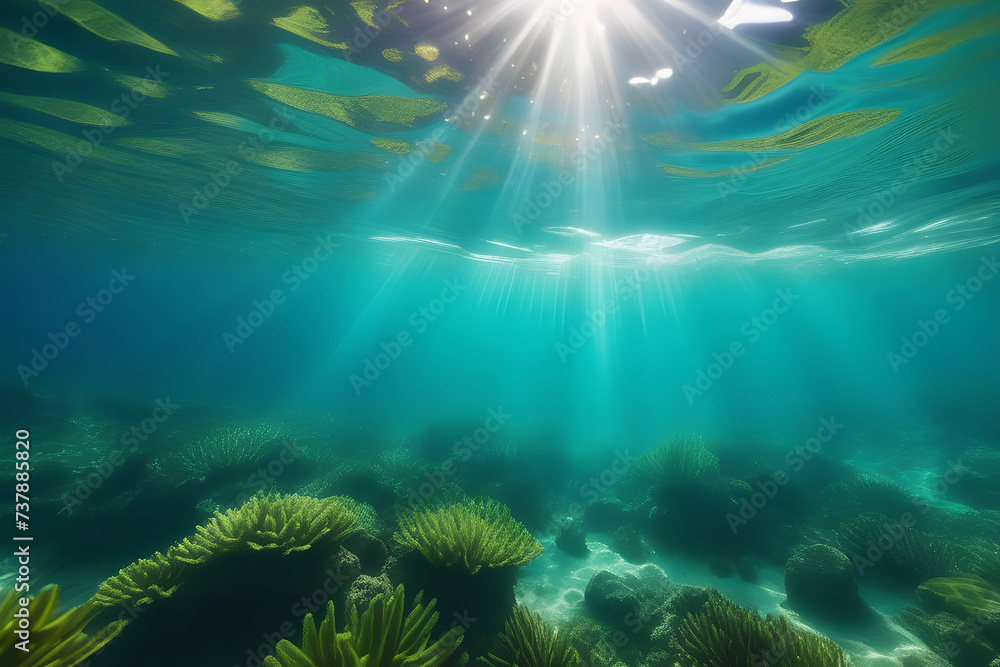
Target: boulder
820	580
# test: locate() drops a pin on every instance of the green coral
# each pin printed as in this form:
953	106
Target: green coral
57	640
476	533
271	523
528	641
681	460
382	638
725	634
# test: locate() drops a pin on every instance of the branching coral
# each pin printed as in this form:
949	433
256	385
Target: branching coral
476	533
724	634
273	522
528	641
56	640
381	638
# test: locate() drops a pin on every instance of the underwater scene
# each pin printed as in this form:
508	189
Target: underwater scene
521	333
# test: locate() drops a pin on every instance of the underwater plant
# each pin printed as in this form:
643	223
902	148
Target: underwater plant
476	533
725	634
870	537
382	638
238	444
142	582
57	640
528	641
682	460
264	523
868	493
270	523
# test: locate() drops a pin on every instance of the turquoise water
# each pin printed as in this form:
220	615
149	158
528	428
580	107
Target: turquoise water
298	262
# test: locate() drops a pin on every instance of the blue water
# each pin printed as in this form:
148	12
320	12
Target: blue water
570	265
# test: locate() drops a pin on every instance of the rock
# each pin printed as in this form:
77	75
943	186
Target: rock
610	598
572	538
631	600
604	514
722	568
746	570
685	600
630	545
819	579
